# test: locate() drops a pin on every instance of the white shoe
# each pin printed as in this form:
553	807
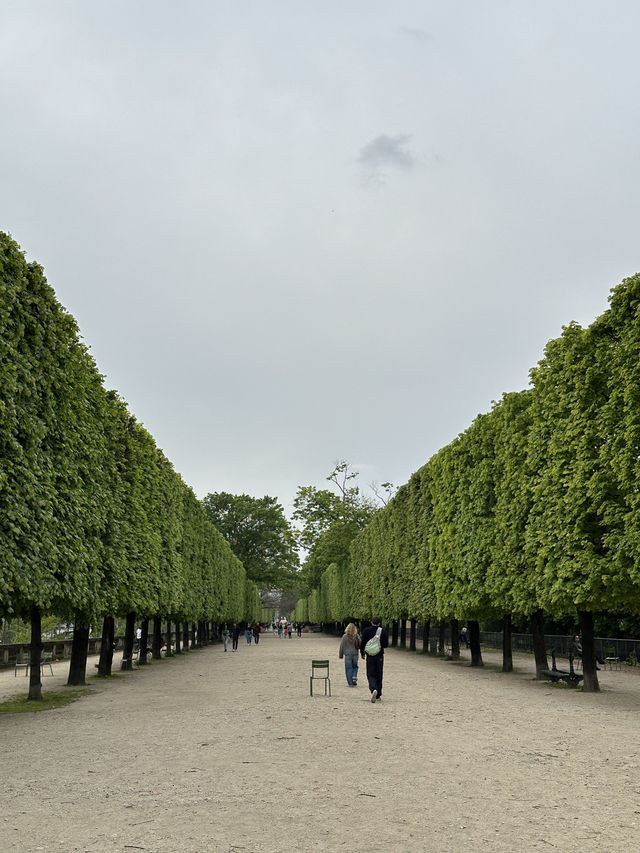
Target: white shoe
374	695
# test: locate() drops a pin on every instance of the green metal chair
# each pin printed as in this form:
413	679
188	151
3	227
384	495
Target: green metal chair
320	672
23	659
46	660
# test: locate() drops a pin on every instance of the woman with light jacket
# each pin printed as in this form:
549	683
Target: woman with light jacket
349	650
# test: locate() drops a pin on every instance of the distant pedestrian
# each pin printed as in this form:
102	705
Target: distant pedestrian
256	633
225	636
349	650
248	634
299	629
236	637
375	660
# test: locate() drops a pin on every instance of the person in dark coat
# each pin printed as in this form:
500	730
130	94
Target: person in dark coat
375	663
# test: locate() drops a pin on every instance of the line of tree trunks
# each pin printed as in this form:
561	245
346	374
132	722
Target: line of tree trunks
127	653
144	643
442	627
474	642
168	651
79	649
426	630
403	633
193	635
105	661
455	639
412	634
507	650
178	639
537	638
394	632
156	640
185	634
35	653
589	667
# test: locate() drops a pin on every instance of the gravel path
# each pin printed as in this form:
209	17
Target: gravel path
215	752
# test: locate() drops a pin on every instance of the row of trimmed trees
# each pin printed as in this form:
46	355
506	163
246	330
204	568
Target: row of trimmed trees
94	521
534	508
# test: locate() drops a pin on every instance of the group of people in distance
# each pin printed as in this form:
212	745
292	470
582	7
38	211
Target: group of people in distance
252	632
370	647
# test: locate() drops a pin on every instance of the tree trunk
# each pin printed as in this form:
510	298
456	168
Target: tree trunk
194	639
185	634
426	630
79	648
106	647
412	635
35	650
127	653
455	639
507	651
394	632
168	648
403	633
442	627
474	642
537	637
144	643
591	684
178	640
157	638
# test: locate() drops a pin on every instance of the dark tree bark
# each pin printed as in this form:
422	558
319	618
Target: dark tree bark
178	639
127	654
474	642
394	632
412	634
144	643
455	639
537	637
591	684
168	652
35	653
507	651
426	630
403	633
79	648
157	638
442	627
106	647
194	641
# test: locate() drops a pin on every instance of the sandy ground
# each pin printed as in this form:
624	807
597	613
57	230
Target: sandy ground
228	752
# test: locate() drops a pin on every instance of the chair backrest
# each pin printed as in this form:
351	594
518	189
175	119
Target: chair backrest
320	664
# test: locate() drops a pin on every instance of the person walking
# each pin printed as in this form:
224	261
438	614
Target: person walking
225	636
349	650
256	633
248	635
374	659
236	637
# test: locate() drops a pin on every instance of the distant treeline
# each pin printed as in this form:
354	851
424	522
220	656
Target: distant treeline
94	521
534	508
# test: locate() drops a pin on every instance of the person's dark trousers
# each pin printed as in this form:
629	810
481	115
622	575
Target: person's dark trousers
374	672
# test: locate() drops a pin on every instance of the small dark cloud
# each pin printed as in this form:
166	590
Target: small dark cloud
416	34
383	152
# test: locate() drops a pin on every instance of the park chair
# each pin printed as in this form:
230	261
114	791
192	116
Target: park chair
611	659
23	659
46	659
320	671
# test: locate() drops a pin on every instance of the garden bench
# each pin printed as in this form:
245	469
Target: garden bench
572	678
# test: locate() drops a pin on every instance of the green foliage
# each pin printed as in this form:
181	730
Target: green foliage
259	535
93	518
536	505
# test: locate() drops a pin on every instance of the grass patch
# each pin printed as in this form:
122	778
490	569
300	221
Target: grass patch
22	705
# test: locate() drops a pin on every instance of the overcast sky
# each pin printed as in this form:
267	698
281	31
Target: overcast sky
293	232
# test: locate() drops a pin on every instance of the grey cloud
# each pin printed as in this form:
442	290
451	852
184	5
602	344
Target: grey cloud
416	34
384	151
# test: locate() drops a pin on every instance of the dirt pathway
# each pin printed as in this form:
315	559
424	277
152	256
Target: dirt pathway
215	752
